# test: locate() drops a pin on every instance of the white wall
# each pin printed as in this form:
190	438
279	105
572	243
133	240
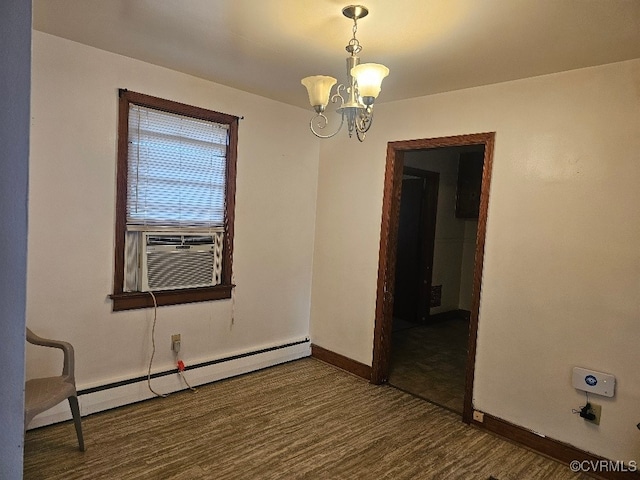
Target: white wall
560	282
15	52
72	200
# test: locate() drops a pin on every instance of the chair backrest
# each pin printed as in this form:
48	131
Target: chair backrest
68	366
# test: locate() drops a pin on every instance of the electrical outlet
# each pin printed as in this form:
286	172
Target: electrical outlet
596	410
175	342
478	416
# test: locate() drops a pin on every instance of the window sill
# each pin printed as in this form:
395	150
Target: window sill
134	300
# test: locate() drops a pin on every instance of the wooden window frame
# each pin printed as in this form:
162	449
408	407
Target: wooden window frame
132	300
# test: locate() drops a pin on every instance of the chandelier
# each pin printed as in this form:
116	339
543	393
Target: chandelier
357	97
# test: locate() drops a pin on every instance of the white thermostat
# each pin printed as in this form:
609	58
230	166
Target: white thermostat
594	382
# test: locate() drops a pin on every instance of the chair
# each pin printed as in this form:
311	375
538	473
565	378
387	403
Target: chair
43	393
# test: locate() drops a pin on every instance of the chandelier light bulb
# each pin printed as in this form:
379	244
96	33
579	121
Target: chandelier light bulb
319	89
369	78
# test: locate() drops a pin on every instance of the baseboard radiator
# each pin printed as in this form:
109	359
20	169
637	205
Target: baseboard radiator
124	392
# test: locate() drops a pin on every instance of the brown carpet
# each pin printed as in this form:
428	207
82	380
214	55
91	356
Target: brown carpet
301	420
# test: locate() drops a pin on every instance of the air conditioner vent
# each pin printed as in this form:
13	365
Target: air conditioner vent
199	240
153	239
174	261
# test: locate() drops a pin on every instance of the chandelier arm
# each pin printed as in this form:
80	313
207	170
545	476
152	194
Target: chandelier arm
365	120
338	95
322	122
351	114
363	125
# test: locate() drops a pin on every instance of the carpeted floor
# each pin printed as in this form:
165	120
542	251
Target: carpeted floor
300	420
429	361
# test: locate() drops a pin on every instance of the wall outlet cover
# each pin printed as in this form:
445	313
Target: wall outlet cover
597	411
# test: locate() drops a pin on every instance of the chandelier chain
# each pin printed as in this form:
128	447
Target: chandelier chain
354	46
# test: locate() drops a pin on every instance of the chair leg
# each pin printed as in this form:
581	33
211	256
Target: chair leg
75	411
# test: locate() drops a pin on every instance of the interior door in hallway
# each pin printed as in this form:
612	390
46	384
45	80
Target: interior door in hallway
416	235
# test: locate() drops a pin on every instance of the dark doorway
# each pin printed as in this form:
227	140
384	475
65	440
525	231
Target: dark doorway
414	253
388	252
429	351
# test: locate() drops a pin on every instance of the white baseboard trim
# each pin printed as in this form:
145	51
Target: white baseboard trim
98	400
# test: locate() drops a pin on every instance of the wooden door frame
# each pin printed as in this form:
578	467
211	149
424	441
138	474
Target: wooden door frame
387	255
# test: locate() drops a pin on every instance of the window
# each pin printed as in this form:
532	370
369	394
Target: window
174	203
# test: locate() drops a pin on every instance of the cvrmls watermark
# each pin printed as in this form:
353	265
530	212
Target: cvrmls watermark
598	466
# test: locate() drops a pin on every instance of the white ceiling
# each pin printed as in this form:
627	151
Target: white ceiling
430	46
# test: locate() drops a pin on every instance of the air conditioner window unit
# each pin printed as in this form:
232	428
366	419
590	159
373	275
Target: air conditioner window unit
173	260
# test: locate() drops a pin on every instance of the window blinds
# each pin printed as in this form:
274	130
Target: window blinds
176	170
